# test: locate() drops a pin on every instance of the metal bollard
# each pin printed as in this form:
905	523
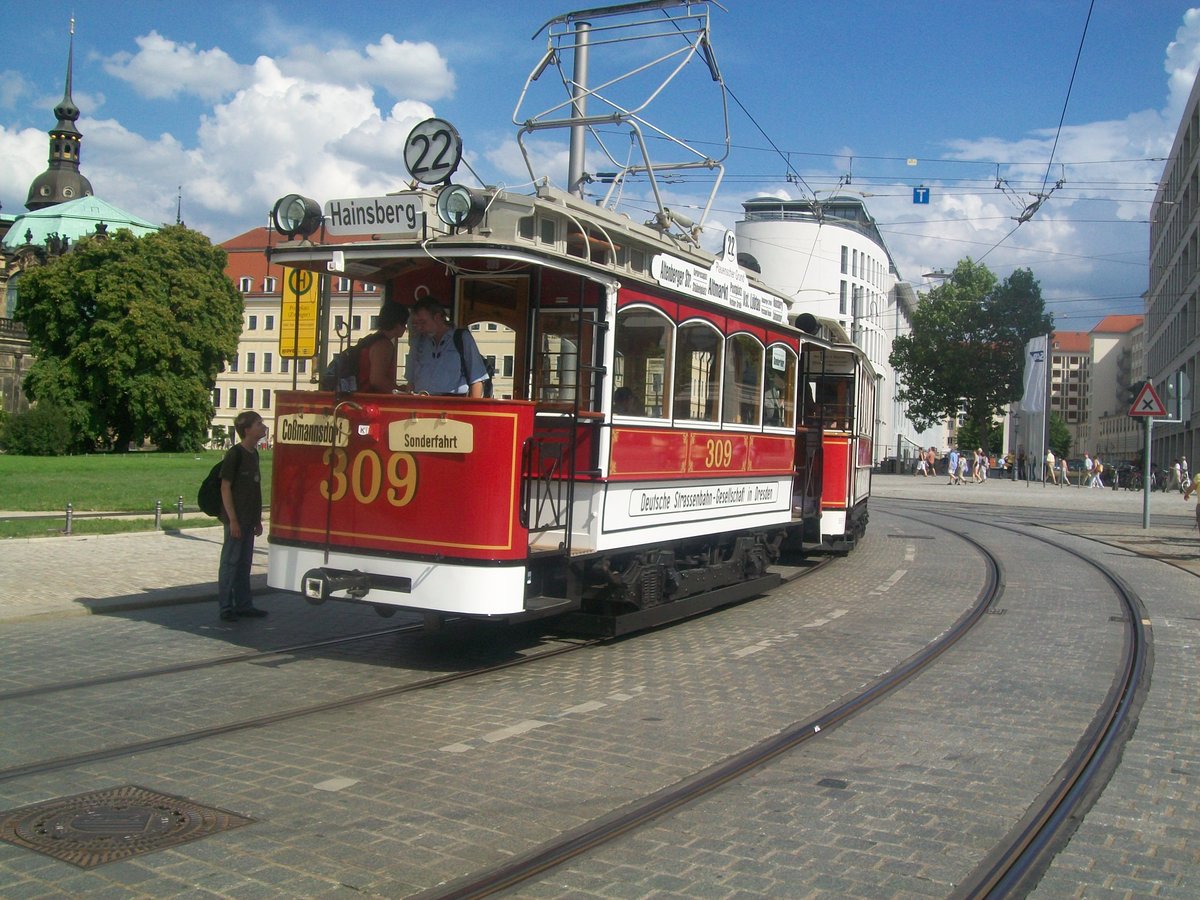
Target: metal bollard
179	507
70	518
158	515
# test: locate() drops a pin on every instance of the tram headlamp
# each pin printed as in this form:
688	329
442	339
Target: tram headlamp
295	215
460	207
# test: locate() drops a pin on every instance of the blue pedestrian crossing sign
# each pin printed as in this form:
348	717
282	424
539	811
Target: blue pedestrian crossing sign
920	195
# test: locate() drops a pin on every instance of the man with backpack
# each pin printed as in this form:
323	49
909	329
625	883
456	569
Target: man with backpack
241	514
444	360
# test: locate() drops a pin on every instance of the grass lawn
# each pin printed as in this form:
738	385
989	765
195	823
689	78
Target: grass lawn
116	482
53	527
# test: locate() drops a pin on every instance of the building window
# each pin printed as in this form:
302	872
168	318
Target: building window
245	284
283	365
302	366
266	401
270	323
842	298
250	398
370	288
492	326
233	364
357	321
250	361
216	398
845	258
343	285
268	361
269	285
233	398
338	323
508	367
253	323
374	322
474	326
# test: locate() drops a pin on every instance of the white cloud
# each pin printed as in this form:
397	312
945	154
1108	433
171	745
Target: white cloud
404	69
163	68
13	86
24	152
1183	59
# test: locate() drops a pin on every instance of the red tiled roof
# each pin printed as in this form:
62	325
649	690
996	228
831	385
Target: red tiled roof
1118	324
1072	342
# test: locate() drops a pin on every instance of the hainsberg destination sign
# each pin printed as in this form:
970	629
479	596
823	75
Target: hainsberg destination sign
398	214
724	282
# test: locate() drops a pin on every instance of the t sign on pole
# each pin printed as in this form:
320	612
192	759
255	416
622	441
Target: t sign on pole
1147	405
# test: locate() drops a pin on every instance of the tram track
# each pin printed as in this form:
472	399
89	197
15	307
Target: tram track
639	813
117	751
197	665
1014	866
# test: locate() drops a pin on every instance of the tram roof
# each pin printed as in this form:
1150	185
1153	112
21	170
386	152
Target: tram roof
548	228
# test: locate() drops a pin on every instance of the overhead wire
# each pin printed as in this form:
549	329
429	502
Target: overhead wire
1042	195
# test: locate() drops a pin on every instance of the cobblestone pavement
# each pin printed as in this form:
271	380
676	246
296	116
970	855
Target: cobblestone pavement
79	575
404	794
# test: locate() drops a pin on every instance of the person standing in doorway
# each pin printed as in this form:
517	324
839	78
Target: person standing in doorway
241	514
436	365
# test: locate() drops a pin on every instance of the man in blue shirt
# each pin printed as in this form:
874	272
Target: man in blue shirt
434	364
955	478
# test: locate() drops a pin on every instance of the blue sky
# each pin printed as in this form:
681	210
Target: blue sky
241	102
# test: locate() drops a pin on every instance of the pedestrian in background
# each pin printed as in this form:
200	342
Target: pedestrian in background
241	514
952	467
1051	468
1187	492
1066	473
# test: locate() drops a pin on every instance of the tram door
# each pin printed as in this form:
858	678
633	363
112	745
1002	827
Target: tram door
495	308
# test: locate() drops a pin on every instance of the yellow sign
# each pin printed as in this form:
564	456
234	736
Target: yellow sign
431	435
298	314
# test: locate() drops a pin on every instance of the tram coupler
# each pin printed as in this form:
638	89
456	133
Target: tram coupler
320	584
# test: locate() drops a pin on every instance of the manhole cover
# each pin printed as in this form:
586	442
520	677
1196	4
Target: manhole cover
103	826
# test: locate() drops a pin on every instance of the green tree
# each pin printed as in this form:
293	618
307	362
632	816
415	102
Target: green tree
968	437
1060	436
129	335
966	350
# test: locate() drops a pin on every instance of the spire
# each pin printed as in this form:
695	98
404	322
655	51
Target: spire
62	181
67	111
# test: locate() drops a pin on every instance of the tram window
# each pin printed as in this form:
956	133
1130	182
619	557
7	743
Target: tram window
525	228
834	404
637	259
779	388
743	381
549	233
563	353
698	352
643	349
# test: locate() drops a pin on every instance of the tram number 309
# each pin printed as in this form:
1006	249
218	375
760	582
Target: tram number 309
366	475
718	454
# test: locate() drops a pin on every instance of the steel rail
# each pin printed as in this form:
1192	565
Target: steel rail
119	677
1014	867
640	812
115	752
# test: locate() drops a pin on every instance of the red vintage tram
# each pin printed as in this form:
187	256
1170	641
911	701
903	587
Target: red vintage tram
659	432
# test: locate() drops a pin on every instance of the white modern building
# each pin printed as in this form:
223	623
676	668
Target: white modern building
831	260
1172	329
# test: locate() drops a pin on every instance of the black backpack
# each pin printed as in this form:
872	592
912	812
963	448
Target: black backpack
208	498
341	374
488	389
